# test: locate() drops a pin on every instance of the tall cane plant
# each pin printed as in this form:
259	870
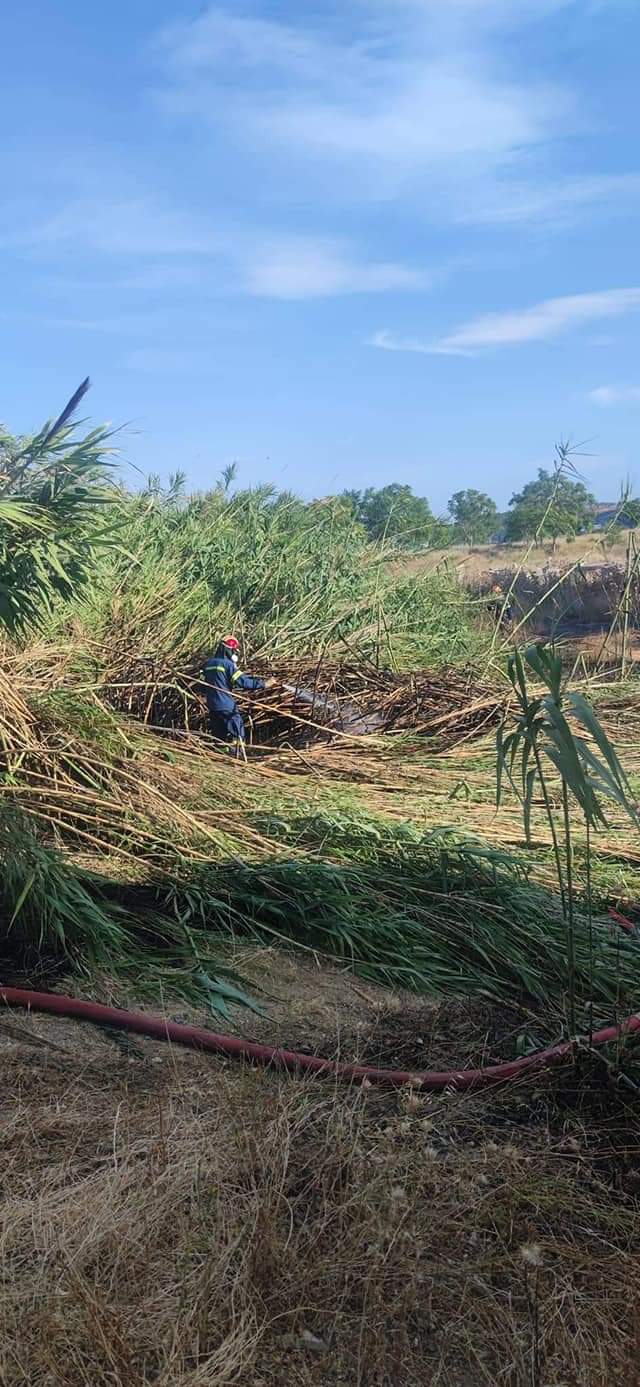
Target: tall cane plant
56	516
556	730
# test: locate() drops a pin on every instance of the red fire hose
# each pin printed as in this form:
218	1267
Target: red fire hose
235	1048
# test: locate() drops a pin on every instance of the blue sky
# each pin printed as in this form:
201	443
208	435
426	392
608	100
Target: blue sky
340	243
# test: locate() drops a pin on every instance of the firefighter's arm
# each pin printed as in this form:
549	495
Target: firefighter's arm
246	682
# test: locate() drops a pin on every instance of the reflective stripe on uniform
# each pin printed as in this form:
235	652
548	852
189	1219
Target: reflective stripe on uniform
220	669
237	674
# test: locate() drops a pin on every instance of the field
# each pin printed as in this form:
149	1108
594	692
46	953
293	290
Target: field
474	561
352	891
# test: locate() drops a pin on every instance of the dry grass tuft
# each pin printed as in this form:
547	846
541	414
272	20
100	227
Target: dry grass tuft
174	1222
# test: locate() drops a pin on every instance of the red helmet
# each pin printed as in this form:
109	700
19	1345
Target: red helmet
231	642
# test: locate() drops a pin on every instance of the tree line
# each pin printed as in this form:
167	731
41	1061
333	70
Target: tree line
552	505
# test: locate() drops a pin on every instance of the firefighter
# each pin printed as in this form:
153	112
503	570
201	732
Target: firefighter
502	613
221	678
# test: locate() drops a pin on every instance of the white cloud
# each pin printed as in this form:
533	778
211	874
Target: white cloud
543	320
164	250
301	268
391	342
556	203
219	36
127	227
405	94
391	98
615	395
431	113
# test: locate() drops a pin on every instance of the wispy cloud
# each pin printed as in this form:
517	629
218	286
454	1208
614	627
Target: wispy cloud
404	94
126	227
303	268
157	250
397	99
606	395
543	320
393	342
549	203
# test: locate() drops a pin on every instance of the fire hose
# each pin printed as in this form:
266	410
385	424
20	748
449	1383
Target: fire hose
234	1047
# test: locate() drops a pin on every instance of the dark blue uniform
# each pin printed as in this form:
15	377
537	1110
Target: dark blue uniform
221	677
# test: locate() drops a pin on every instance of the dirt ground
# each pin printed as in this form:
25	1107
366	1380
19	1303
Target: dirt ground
169	1218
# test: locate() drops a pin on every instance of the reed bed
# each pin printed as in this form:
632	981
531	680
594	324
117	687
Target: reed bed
131	845
183	856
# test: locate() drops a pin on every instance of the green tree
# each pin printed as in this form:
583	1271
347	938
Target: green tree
550	506
474	515
393	512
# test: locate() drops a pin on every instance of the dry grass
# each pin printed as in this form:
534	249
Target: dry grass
173	1221
470	562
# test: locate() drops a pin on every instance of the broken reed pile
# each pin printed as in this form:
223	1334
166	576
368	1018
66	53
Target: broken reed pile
562	599
305	701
